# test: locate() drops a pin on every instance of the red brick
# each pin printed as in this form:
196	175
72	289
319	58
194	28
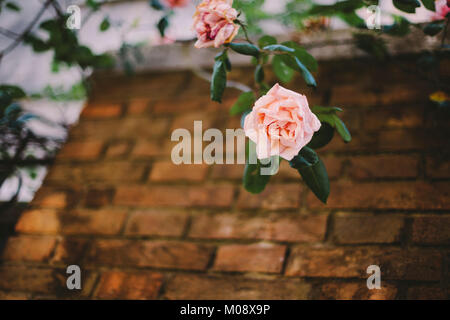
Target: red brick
70	251
352	228
186	121
383	166
138	106
156	223
285	172
120	128
427	293
106	172
278	227
403	93
44	281
14	296
273	197
88	150
101	111
28	248
117	149
98	197
351	95
433	229
350	262
208	196
141	285
384	195
50	198
168	171
260	257
437	168
38	221
357	291
227	171
401	139
175	106
148	149
203	287
158	254
106	222
393	117
82	221
333	165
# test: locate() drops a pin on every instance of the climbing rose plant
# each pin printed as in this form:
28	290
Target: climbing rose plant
278	122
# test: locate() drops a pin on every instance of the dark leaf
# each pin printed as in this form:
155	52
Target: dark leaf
281	70
322	137
162	25
408	6
279	47
434	28
245	48
266	41
218	81
105	24
259	73
429	4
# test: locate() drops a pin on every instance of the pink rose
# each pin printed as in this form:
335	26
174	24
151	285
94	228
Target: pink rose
214	23
280	123
176	3
442	9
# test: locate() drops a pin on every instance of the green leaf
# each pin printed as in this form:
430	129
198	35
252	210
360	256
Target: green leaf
155	4
12	6
322	137
341	6
218	81
342	129
259	73
408	6
371	44
105	24
429	4
266	41
313	172
244	102
307	76
279	47
245	48
281	70
253	181
162	25
303	55
433	28
13	91
93	4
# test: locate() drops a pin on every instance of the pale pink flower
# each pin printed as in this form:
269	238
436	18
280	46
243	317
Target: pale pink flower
442	9
214	23
280	123
176	3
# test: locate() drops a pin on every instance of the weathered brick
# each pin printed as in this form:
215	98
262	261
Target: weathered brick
403	93
14	296
106	172
186	121
101	111
77	150
44	281
356	291
39	221
158	254
106	222
120	128
273	197
82	221
433	229
260	257
142	285
208	196
117	149
352	228
70	251
98	197
383	166
156	223
351	262
203	287
138	106
168	171
148	149
177	106
226	171
28	248
50	198
278	227
437	167
384	195
393	117
352	95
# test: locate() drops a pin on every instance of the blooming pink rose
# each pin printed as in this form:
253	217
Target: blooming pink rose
176	3
280	123
442	9
214	23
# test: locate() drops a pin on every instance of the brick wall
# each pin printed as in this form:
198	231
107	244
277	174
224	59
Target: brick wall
143	228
